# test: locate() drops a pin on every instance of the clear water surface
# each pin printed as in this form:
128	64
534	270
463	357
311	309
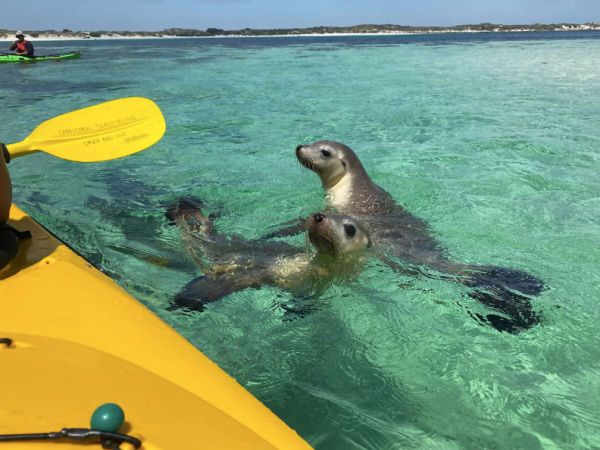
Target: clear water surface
492	138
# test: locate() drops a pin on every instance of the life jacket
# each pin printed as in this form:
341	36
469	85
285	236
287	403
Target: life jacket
22	47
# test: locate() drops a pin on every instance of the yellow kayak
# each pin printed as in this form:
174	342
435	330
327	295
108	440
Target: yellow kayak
71	340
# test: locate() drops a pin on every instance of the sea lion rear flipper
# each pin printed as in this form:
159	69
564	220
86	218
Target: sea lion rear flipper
517	309
508	291
512	279
207	289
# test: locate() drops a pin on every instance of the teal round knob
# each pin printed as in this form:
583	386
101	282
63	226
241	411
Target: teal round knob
108	417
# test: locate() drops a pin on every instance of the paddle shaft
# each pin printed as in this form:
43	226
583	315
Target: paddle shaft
20	149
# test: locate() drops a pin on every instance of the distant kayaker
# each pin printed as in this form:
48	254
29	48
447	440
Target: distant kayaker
8	239
21	46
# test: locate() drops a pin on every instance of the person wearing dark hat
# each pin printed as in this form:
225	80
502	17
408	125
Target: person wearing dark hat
21	46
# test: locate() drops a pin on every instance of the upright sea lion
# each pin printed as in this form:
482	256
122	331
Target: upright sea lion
232	263
397	233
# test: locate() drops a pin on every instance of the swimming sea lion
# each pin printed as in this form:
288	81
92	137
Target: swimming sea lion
232	263
397	233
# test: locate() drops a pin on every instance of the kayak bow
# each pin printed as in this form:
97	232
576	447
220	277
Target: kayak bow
71	339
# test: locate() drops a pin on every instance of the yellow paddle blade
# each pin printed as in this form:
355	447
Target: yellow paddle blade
98	133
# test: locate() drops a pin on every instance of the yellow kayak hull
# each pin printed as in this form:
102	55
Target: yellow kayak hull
79	341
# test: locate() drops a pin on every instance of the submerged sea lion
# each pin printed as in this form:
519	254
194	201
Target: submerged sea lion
397	233
232	263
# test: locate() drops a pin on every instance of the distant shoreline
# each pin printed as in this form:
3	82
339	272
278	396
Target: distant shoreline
356	30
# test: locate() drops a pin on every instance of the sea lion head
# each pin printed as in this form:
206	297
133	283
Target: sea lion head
331	160
187	213
337	234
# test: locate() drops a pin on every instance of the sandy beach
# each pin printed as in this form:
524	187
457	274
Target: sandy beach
87	35
52	37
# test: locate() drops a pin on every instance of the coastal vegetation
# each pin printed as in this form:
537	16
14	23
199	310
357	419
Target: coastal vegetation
355	29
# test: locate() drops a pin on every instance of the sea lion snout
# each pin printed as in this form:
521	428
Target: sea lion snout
299	147
318	217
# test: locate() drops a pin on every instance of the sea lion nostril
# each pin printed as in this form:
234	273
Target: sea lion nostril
318	217
299	148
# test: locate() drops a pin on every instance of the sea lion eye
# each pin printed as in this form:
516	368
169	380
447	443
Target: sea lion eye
326	153
350	230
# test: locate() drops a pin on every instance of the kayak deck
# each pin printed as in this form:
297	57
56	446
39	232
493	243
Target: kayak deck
79	341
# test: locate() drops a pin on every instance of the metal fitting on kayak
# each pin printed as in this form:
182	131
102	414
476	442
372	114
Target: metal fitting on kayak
108	440
106	421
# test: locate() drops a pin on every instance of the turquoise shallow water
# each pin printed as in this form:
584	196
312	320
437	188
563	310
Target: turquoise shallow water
492	139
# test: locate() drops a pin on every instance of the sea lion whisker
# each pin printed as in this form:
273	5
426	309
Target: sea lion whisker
307	163
308	248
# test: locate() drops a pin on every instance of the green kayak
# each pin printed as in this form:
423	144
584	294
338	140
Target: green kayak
6	58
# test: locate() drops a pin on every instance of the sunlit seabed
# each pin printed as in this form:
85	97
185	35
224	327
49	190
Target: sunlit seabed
492	139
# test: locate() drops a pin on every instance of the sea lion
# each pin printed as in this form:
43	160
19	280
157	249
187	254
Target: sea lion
398	234
232	263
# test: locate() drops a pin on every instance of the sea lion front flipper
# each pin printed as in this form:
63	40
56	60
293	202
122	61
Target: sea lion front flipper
290	228
206	289
404	269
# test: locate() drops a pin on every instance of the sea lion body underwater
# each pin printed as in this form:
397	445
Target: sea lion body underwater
232	263
398	234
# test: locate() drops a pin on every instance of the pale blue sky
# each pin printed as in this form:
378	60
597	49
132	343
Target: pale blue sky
150	15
